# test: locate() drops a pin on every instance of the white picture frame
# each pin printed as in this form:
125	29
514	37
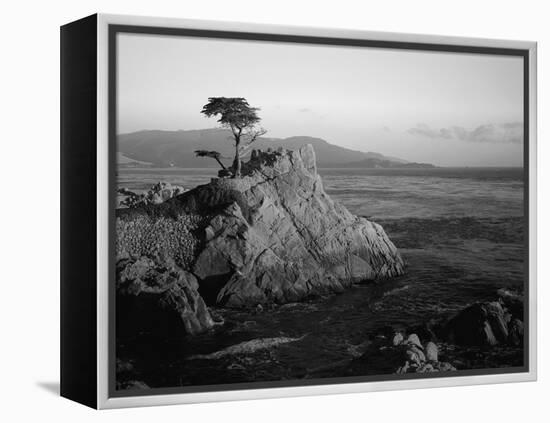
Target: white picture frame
103	354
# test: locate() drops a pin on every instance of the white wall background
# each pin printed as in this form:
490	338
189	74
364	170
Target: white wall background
29	299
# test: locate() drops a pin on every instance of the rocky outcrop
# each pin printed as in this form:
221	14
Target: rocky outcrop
157	194
479	324
272	236
403	354
480	336
488	323
275	236
146	289
419	358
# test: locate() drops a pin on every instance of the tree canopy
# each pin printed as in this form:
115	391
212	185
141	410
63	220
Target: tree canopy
233	112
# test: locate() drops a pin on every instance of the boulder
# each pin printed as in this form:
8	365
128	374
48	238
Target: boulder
513	301
403	357
397	339
498	320
403	369
425	368
481	324
275	236
414	340
515	332
146	289
439	366
431	351
470	327
415	355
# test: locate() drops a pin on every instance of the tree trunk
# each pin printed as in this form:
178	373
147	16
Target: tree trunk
237	161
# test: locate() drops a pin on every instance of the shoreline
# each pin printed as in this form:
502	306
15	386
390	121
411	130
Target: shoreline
250	353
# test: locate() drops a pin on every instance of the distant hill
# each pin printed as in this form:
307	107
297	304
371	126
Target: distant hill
373	163
176	148
123	161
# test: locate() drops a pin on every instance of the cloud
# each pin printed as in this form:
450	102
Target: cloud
424	130
510	132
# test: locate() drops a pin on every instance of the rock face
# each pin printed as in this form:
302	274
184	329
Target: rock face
274	235
143	286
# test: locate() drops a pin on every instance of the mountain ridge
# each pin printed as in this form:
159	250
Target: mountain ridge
176	148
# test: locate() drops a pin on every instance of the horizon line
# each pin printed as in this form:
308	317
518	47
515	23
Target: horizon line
387	156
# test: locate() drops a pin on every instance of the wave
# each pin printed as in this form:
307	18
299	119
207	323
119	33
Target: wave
395	291
247	347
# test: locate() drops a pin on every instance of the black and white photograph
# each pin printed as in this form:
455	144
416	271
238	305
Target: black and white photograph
244	211
291	213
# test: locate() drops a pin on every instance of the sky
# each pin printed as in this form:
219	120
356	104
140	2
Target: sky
449	109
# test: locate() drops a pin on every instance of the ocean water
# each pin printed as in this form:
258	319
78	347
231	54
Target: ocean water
461	232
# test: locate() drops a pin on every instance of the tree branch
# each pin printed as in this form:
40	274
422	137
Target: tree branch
213	154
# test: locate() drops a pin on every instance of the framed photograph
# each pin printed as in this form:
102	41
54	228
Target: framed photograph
254	211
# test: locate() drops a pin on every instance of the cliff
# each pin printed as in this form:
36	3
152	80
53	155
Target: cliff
273	236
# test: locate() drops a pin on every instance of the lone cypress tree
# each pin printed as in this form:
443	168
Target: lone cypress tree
237	115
